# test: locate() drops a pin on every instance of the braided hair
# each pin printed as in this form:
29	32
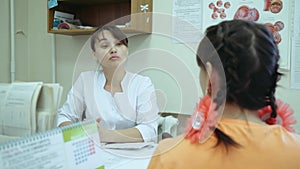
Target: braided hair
249	58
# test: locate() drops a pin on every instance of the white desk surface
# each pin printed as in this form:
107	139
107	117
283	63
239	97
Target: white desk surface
133	164
138	158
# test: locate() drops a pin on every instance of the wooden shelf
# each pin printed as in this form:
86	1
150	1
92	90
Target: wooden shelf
73	31
97	13
126	30
92	2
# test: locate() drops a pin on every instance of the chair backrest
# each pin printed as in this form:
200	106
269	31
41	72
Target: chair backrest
171	124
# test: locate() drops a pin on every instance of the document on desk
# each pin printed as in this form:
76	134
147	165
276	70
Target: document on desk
126	155
131	150
128	146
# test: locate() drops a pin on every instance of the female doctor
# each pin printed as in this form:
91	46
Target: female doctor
123	103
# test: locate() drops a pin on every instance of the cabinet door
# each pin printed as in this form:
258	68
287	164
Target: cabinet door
141	18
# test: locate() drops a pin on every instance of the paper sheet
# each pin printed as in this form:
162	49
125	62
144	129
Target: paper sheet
187	22
128	146
295	57
18	108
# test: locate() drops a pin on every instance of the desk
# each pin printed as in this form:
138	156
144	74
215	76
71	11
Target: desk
127	158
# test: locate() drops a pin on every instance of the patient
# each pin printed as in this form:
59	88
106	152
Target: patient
123	103
240	73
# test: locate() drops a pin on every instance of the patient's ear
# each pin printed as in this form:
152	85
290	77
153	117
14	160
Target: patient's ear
209	69
214	78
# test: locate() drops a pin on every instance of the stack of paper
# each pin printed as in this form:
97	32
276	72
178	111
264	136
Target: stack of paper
28	107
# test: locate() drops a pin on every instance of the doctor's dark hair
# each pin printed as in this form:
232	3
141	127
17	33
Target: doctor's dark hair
249	58
115	31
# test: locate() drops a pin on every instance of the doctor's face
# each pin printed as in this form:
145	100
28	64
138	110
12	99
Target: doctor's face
109	51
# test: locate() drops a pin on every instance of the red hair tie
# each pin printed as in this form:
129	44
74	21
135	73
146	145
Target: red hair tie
284	115
271	120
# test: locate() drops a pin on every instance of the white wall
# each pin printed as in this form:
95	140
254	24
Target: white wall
290	96
32	42
168	64
4	42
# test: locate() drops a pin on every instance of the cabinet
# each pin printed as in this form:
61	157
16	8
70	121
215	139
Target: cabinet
132	16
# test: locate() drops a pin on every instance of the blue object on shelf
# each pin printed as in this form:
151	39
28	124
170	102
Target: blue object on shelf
52	3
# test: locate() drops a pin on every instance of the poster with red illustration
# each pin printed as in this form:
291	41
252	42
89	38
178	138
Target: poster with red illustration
272	13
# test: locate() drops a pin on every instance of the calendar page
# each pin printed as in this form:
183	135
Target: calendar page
81	143
39	151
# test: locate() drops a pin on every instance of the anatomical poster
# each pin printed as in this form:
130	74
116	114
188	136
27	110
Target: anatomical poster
275	14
